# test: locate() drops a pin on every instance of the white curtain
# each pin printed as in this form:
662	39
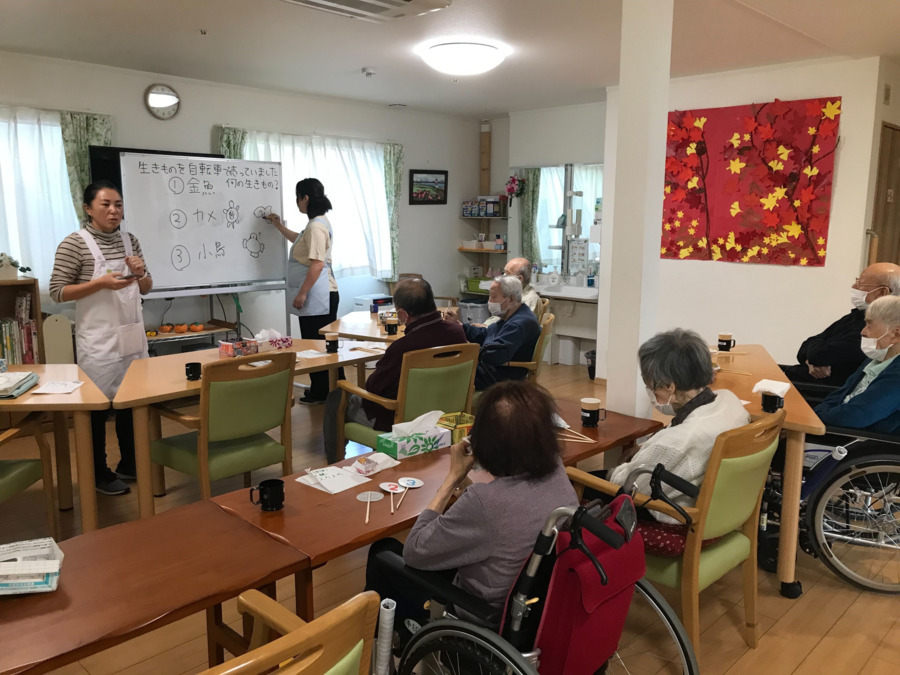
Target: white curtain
36	210
353	175
587	178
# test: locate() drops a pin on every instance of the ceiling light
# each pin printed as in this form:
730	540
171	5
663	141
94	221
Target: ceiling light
462	57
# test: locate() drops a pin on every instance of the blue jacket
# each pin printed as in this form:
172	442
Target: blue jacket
876	409
502	342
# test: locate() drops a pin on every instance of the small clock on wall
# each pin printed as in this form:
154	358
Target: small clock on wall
162	101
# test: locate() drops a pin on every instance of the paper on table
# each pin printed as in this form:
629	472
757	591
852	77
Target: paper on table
560	422
58	387
332	479
368	346
309	354
772	387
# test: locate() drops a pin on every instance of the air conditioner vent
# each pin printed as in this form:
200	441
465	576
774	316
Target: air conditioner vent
374	10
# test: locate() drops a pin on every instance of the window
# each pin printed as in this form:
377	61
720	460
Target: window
587	178
36	211
353	175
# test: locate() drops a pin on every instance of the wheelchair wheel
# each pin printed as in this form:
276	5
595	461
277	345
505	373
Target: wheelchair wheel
454	647
854	518
653	634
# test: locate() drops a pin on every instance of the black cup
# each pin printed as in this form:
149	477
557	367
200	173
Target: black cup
391	328
771	402
726	345
271	494
331	346
192	370
590	418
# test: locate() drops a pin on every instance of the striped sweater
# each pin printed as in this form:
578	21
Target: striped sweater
74	263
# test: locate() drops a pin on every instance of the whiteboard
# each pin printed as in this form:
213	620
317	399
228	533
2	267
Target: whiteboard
200	220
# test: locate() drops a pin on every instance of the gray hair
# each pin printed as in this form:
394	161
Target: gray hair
893	282
886	310
510	287
679	357
521	267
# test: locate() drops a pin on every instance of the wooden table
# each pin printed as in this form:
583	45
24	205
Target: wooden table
80	403
162	378
360	326
123	581
325	526
752	363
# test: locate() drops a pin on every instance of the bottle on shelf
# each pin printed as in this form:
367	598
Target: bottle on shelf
553	278
490	273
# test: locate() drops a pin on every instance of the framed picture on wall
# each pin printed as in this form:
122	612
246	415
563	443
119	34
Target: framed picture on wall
427	186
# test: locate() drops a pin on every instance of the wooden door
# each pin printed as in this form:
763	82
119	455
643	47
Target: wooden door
886	222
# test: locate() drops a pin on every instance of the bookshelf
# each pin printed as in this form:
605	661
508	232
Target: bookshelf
10	289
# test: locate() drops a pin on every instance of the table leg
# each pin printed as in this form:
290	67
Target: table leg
790	514
215	650
303	594
84	460
63	460
360	374
332	379
142	460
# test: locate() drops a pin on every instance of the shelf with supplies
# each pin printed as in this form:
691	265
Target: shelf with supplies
21	331
210	327
482	250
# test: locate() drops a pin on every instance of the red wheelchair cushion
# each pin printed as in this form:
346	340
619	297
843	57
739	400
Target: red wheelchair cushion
666	540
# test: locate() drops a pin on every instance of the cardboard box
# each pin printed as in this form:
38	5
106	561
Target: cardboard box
30	566
415	444
459	424
231	348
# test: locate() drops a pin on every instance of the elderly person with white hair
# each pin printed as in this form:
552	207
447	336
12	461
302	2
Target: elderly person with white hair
870	398
512	338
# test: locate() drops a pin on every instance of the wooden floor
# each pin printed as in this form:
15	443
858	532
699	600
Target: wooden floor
832	628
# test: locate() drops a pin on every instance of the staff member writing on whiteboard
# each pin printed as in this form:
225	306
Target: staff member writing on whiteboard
102	269
311	288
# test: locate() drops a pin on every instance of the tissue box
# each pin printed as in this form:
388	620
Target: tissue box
414	444
33	566
459	424
231	348
282	342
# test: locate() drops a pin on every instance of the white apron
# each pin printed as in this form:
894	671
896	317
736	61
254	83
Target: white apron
318	300
109	325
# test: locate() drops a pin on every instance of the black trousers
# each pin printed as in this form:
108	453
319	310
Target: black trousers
309	330
125	435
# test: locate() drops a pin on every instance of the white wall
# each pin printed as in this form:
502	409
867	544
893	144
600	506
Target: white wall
556	136
771	305
428	234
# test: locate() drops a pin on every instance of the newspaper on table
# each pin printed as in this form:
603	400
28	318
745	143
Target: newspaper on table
332	479
30	566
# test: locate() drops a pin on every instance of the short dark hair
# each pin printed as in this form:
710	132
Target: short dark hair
679	357
415	297
514	434
91	190
318	204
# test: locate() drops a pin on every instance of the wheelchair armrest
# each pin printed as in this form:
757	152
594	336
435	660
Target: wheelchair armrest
864	434
441	589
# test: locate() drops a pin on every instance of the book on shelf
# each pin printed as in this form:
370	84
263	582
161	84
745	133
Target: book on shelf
18	334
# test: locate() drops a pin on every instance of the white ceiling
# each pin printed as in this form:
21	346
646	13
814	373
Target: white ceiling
564	51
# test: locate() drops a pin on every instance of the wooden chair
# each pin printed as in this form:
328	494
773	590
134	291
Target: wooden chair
238	404
339	643
440	378
542	309
727	509
16	475
534	366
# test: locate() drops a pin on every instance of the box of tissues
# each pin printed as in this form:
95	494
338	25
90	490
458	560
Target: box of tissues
408	439
269	339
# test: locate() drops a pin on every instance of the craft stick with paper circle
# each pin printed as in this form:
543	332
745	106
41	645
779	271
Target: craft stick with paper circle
368	498
408	483
391	488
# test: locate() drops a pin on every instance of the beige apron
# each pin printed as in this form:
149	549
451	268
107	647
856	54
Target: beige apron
109	325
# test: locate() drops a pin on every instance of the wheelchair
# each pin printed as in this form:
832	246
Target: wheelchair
579	606
849	510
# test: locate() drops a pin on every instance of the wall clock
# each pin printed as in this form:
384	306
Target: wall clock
162	101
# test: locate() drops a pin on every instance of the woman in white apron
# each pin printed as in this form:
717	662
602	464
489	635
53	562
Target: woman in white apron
312	292
101	268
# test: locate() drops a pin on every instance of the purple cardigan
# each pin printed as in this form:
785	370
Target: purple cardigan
425	332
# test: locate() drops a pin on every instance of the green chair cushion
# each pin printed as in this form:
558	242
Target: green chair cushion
17	474
716	560
226	458
241	408
360	433
349	663
444	388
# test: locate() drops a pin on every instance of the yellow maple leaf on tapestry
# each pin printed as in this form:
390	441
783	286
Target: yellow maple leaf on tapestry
794	230
815	149
662	251
776	165
735	140
729	243
780	192
820	241
699	122
668	227
803	261
822	252
680	214
691	149
735	165
735	209
768	202
685	252
702	243
812	131
716	253
831	110
811	171
783	152
750	253
667	189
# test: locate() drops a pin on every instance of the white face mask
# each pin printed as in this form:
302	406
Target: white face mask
495	308
858	298
664	408
870	348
